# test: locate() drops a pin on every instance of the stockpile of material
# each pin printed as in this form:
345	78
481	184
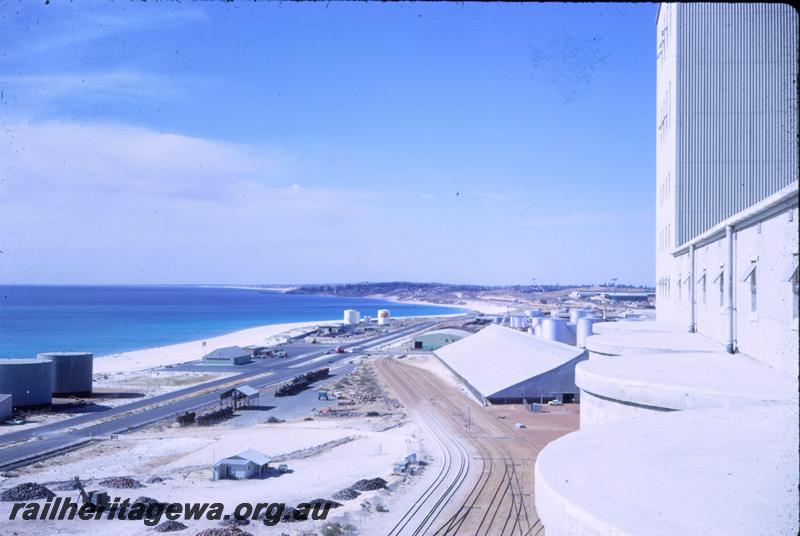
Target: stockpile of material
346	494
121	482
370	484
29	491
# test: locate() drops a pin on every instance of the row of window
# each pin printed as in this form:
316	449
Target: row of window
717	279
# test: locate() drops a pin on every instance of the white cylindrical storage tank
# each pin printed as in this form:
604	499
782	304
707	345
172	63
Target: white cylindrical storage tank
28	381
555	329
537	330
518	322
534	313
575	314
72	371
536	321
383	316
351	316
583	330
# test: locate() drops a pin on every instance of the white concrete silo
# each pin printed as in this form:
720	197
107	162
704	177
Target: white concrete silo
555	329
584	329
383	316
351	317
575	314
518	322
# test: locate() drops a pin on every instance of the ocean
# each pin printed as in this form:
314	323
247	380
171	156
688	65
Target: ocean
111	319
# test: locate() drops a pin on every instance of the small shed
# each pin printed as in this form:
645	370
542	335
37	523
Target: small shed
230	355
247	464
239	397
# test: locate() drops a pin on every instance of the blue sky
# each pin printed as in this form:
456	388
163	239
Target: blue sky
309	142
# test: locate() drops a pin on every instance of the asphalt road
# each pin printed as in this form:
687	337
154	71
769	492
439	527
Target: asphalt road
57	437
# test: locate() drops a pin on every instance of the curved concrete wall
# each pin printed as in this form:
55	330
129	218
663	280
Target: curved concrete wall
72	371
28	381
598	410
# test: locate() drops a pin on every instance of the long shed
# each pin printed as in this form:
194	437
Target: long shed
502	365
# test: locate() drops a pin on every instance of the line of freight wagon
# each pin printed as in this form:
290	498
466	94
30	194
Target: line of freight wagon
301	382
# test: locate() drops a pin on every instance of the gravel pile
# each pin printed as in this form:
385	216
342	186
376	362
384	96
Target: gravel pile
369	484
121	482
146	501
290	515
346	494
322	502
28	491
229	531
154	480
170	526
233	520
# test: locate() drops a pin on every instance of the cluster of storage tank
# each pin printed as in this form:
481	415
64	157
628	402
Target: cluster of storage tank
33	382
568	329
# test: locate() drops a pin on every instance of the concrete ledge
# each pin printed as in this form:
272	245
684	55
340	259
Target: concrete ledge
624	338
717	471
677	382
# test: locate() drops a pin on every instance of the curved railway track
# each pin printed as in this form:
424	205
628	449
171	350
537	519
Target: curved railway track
421	515
499	501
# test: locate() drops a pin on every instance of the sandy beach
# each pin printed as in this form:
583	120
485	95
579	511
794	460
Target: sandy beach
148	358
189	351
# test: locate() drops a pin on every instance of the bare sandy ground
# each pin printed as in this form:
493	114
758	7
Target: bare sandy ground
184	457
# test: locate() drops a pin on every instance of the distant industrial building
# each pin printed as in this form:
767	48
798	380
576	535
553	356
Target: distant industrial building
433	340
230	355
240	396
502	365
247	464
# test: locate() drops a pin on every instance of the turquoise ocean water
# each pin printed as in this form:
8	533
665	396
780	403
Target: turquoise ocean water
110	319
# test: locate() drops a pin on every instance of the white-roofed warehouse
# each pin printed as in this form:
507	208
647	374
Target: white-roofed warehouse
501	365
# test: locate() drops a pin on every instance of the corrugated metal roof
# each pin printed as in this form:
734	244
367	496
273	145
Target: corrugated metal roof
246	390
248	455
453	332
736	120
497	357
228	352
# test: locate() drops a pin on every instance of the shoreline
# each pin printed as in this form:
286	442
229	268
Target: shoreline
173	354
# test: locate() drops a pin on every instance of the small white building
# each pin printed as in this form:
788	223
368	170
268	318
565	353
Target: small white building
247	464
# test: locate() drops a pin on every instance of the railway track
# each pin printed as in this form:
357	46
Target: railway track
428	507
499	501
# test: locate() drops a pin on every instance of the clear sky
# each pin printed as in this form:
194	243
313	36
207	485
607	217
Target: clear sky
212	142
